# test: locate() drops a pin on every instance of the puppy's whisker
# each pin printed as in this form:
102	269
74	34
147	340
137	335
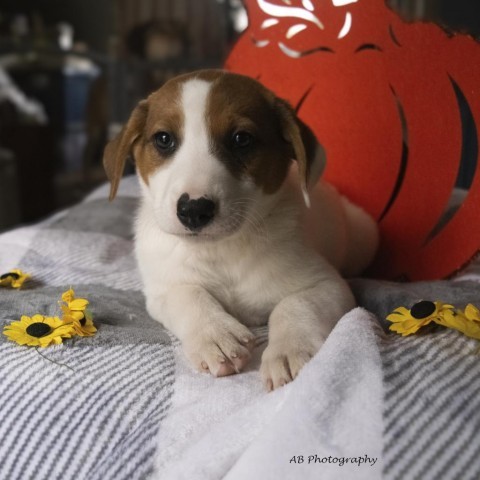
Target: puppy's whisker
256	224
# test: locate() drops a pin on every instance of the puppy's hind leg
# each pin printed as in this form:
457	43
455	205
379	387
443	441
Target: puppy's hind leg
362	239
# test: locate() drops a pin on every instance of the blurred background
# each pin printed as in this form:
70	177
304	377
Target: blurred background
71	71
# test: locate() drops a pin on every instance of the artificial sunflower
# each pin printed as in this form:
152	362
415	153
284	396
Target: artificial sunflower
406	322
75	311
14	278
38	331
467	321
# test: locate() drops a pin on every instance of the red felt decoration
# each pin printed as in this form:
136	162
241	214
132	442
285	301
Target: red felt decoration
391	102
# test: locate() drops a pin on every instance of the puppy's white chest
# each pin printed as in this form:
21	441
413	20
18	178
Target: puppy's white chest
240	280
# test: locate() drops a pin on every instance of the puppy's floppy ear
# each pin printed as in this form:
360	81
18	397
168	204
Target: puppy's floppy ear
308	153
121	147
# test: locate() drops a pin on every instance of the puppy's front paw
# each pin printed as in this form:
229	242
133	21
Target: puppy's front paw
221	347
281	363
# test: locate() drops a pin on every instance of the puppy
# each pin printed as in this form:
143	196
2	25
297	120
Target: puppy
234	230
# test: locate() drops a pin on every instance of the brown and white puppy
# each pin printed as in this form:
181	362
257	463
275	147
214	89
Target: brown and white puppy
223	238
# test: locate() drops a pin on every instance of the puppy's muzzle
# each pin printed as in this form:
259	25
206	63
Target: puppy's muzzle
195	214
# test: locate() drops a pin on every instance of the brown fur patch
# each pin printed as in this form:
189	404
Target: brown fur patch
238	103
164	115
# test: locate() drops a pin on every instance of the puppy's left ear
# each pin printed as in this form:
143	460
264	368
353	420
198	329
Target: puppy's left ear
121	147
307	151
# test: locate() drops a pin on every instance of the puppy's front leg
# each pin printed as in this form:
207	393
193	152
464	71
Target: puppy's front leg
212	339
298	327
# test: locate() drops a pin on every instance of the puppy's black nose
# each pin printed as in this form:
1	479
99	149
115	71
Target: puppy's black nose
195	214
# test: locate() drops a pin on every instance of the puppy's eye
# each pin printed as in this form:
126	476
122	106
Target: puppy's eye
242	139
164	141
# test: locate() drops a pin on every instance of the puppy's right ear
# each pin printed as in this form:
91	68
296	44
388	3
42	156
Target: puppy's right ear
120	148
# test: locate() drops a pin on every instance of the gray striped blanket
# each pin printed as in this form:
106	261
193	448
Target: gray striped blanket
124	404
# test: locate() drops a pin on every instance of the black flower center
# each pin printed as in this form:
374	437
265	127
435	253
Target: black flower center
38	329
422	309
83	320
13	275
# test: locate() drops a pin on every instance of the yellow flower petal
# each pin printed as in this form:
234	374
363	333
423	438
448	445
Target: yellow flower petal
395	318
444	306
407	327
472	313
86	330
399	315
68	296
78	304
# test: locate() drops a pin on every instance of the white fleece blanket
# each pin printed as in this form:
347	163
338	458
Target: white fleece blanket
326	424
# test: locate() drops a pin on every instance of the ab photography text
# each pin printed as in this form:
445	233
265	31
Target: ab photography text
340	461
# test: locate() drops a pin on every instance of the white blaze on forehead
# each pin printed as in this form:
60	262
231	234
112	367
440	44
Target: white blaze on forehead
190	167
194	152
194	103
197	171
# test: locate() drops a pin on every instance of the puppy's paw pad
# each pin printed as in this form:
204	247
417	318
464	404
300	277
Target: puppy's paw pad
280	366
219	350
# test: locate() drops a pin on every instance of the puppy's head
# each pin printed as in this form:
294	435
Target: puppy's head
212	149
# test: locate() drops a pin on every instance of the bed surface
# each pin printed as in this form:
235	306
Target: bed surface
124	404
